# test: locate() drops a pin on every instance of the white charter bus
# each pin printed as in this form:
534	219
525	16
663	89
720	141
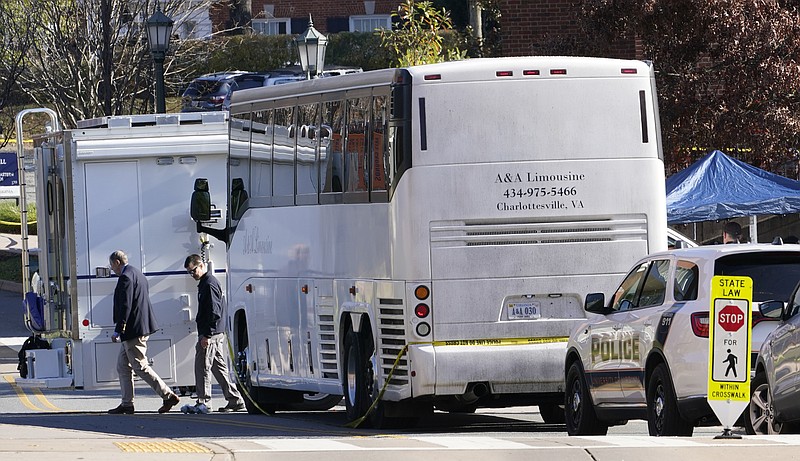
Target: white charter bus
425	236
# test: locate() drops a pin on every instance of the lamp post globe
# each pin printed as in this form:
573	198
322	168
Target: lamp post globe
311	46
159	31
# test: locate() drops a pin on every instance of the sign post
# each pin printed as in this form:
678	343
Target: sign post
729	349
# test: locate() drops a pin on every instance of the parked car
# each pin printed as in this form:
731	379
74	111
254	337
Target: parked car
774	399
644	354
207	92
257	80
212	92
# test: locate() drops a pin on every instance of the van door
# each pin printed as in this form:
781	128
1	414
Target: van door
112	214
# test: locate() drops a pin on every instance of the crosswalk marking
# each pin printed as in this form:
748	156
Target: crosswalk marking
12	342
435	443
473	443
316	444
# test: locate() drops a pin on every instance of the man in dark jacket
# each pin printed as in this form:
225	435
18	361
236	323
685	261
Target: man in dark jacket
209	357
135	322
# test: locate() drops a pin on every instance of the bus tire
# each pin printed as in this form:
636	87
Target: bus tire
358	381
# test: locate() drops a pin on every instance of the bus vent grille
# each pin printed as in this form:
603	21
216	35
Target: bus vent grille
327	350
454	234
391	324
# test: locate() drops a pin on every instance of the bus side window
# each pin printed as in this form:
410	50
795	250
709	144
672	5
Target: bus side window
306	164
283	157
332	152
356	161
238	198
261	154
380	152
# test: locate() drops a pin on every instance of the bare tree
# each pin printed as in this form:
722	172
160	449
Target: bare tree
91	58
17	36
728	72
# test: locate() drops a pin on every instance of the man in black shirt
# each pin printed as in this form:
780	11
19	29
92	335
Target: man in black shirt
209	358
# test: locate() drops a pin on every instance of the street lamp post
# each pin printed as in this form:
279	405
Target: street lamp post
159	30
311	46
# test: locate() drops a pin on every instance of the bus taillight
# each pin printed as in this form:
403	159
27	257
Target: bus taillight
558	71
422	310
422	292
530	72
629	71
423	329
504	73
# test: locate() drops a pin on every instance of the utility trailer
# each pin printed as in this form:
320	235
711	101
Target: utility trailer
117	183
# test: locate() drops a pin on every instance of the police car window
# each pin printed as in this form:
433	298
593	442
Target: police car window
686	280
774	273
655	285
625	297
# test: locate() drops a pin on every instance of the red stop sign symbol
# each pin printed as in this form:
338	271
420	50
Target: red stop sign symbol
730	318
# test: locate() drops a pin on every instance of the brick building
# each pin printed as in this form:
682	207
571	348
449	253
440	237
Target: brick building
525	24
291	16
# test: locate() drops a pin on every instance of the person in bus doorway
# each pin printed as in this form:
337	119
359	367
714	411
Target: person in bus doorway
731	233
209	358
134	322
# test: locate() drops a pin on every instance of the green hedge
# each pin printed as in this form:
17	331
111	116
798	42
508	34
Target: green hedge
263	52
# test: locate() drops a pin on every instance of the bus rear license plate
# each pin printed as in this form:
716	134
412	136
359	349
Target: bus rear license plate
524	311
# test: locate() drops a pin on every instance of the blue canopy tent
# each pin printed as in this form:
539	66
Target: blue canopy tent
720	187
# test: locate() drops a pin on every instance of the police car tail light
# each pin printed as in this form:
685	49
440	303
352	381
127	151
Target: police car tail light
700	324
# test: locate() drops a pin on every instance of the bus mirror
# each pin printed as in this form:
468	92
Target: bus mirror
200	208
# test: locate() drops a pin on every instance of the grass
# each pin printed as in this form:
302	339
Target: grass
10	217
11	262
11	266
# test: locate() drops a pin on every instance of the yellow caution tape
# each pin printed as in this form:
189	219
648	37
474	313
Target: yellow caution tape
500	341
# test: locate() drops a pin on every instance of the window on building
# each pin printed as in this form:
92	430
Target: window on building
370	23
273	26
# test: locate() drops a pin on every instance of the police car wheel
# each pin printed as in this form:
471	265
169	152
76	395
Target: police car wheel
579	412
663	418
759	419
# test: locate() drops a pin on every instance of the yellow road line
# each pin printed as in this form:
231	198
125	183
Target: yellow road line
39	396
21	394
27	401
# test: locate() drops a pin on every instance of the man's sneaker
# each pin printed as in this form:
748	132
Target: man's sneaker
232	406
200	408
169	402
121	410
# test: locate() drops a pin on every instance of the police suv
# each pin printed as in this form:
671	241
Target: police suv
644	354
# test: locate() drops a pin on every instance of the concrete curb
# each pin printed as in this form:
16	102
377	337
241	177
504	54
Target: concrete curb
13	287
